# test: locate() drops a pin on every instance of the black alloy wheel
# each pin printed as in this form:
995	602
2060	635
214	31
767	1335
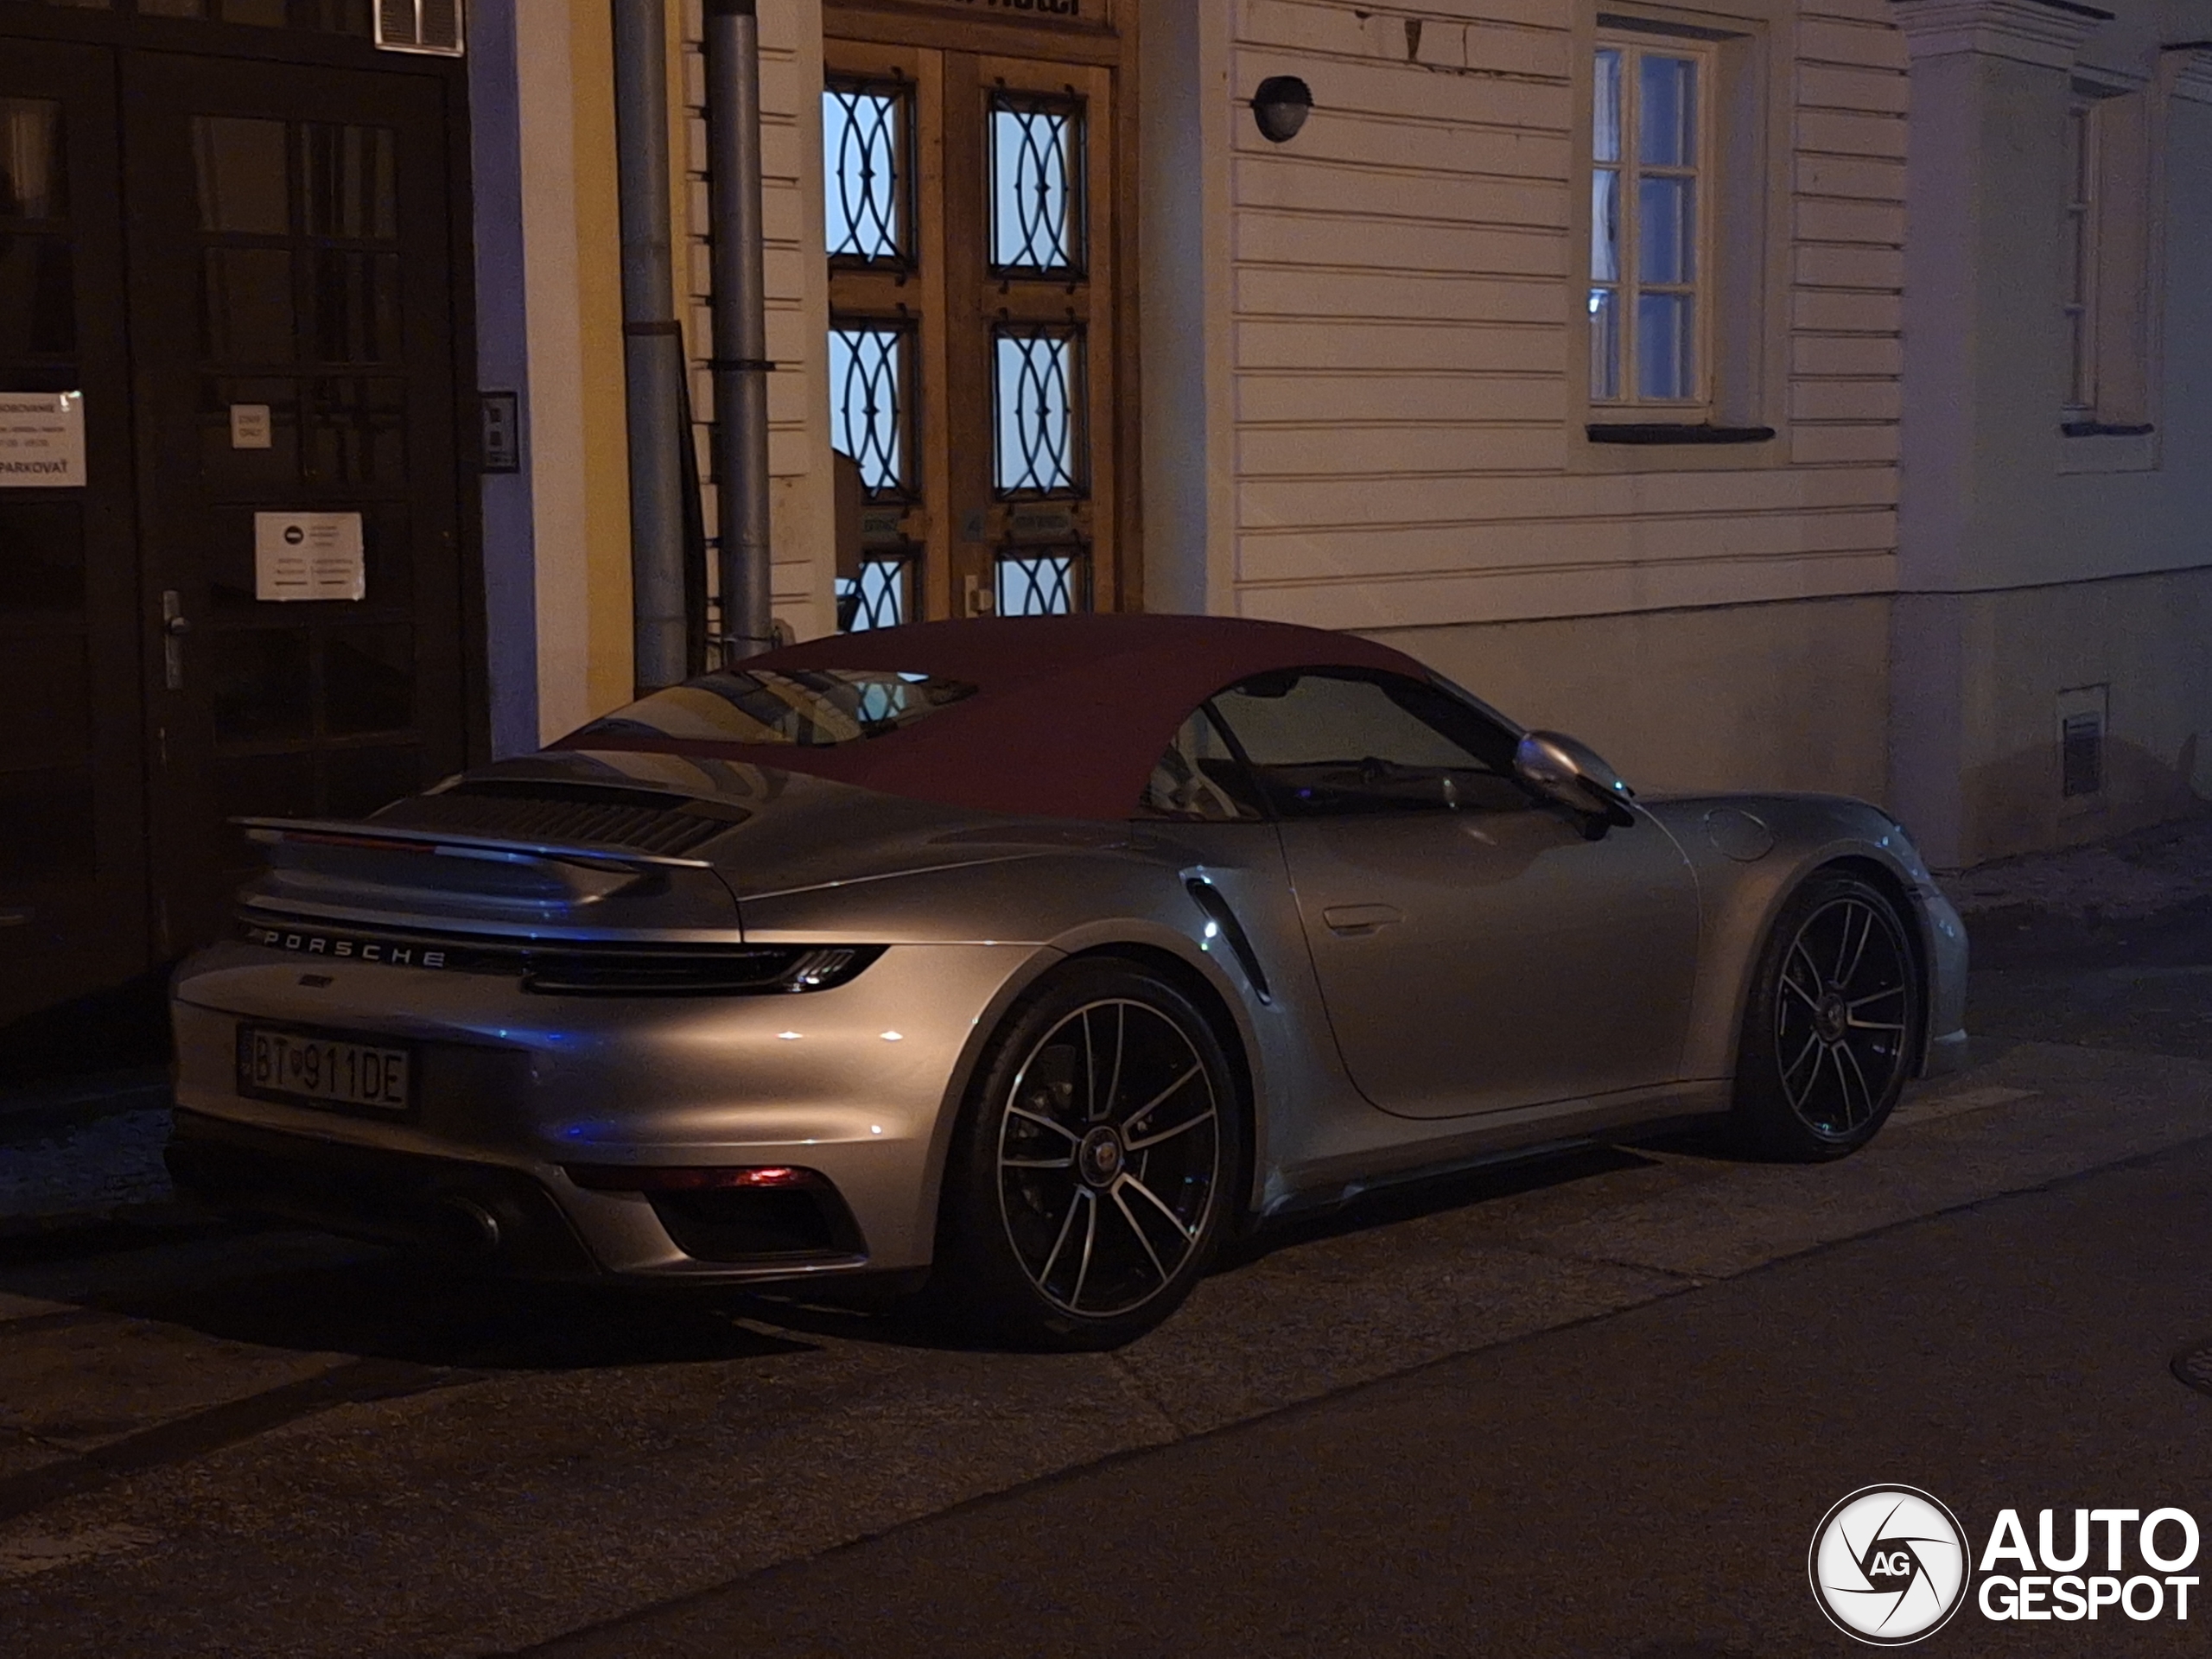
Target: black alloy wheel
1832	1025
1093	1167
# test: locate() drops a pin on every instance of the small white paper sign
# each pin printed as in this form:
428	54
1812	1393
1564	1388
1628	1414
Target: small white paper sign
41	439
308	555
249	427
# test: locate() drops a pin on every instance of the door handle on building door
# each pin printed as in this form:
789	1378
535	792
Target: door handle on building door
174	626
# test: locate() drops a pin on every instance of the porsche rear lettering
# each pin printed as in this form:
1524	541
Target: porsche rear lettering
383	951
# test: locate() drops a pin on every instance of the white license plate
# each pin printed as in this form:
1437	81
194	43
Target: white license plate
323	1070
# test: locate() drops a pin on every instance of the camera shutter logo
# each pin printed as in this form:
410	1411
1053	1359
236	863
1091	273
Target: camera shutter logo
1888	1565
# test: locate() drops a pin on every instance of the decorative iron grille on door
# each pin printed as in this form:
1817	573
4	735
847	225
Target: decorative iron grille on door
969	369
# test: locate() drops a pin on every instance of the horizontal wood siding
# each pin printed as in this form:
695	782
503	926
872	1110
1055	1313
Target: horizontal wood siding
798	451
1405	299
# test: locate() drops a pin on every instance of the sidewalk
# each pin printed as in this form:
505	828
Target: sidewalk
84	1147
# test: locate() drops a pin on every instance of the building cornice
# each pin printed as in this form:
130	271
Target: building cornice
2185	70
2046	33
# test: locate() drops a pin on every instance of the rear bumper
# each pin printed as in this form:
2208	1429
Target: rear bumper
511	1089
506	1219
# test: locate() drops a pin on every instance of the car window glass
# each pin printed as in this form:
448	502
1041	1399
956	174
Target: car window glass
1199	778
1322	744
806	708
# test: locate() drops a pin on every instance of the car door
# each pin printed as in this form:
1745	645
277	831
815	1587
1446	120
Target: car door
1476	951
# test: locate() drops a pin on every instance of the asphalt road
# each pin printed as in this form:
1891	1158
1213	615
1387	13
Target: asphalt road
1641	1485
1592	1407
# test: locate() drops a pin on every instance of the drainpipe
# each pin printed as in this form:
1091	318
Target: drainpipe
652	345
741	362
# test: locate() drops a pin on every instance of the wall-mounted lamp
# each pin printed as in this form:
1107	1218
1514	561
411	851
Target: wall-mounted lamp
1280	107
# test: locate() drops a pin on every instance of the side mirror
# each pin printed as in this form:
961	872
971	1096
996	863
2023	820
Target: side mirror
1573	774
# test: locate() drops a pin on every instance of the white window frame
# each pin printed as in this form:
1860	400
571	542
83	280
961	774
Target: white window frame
1630	169
2108	282
2083	251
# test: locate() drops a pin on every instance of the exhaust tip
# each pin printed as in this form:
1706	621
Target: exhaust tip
468	1228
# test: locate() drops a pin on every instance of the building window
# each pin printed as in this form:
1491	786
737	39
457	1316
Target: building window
2104	291
1650	148
2080	275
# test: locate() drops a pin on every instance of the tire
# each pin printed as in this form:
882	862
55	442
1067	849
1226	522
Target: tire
1831	1025
1093	1169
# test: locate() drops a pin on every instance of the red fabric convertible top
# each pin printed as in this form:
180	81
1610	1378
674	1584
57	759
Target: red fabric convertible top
1070	714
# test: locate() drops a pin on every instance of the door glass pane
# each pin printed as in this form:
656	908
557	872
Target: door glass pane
868	403
356	301
222	462
1038	585
46	686
38	297
1663	346
47	826
1666	112
33	182
1036	149
864	150
356	431
877	598
41	556
1037	398
258	683
242	174
247	305
368	680
350	182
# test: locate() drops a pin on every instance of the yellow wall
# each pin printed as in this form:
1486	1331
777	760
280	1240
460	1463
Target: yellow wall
580	483
609	678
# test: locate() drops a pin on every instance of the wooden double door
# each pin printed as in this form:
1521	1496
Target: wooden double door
246	270
974	351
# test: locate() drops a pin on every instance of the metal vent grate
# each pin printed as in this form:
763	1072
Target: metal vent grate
610	818
431	26
2082	755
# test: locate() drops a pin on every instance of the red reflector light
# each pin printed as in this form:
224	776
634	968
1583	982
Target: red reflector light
647	1178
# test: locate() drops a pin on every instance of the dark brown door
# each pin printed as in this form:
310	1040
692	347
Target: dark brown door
291	305
72	872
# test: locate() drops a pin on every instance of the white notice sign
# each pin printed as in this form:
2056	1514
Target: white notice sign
250	427
41	439
308	555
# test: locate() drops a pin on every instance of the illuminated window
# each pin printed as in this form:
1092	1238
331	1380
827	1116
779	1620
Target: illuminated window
1649	154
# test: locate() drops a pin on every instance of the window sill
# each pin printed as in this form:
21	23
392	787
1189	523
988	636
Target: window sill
1652	433
2097	446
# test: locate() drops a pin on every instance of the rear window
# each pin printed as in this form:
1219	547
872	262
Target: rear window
808	708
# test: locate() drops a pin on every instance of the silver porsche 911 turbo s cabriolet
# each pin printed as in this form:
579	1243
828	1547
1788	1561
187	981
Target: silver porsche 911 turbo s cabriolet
1021	960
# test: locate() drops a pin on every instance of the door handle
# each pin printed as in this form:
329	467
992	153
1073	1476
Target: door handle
1355	921
174	626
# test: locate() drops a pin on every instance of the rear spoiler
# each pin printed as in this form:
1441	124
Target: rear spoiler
376	837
